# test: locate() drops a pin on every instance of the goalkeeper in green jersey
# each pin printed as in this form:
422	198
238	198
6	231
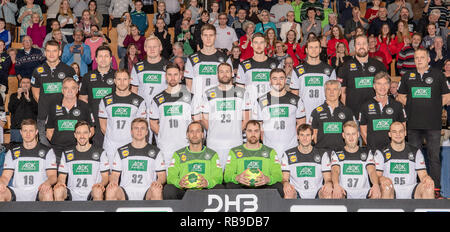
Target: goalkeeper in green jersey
253	165
193	167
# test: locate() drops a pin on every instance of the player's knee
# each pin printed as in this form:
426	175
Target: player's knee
111	193
46	195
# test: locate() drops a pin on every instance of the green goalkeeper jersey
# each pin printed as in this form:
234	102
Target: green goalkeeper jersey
206	163
265	158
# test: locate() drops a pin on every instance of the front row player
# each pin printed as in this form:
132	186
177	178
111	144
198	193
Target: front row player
352	167
306	169
84	166
398	167
33	166
139	166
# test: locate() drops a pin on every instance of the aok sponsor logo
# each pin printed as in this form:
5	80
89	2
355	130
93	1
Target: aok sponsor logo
152	78
399	168
67	125
208	69
353	169
137	165
120	111
53	87
260	76
332	127
82	169
313	81
226	105
99	93
306	171
421	92
173	110
381	124
279	112
364	82
28	166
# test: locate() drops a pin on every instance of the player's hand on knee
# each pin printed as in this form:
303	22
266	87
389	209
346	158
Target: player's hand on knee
327	189
338	192
3	188
111	186
375	192
289	191
428	182
98	187
45	187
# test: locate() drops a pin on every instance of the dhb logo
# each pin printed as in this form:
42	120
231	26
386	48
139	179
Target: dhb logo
249	201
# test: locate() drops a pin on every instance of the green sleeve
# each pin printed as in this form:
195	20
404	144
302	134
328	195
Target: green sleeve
173	176
231	168
275	169
216	176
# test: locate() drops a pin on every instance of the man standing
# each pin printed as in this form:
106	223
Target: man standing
424	91
33	166
139	166
356	76
405	61
225	109
226	36
280	112
377	23
356	21
238	24
85	167
171	112
77	52
312	76
97	84
194	158
117	111
46	84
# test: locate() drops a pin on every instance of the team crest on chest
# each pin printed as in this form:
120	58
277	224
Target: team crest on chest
429	80
207	156
135	102
327	71
61	75
292	101
151	153
221	59
273	65
110	81
76	112
372	69
265	154
41	153
411	156
389	110
317	158
341	115
363	156
95	156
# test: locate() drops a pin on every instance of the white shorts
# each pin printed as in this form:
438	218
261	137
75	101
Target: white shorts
24	195
133	193
357	193
405	192
310	194
78	196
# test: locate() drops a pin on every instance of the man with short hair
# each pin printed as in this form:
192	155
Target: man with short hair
96	84
424	91
256	157
279	12
194	158
405	60
238	24
54	26
398	166
28	58
280	112
85	168
395	8
353	168
406	16
377	23
46	84
356	21
226	36
33	166
306	169
77	52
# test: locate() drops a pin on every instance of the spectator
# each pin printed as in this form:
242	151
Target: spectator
187	14
407	17
54	27
78	6
25	16
254	12
94	41
162	13
351	45
102	8
341	56
405	61
58	37
130	59
332	21
96	17
77	52
177	50
297	5
8	11
280	51
265	24
76	68
5	64
226	36
386	45
444	12
117	9
148	6
354	22
345	10
36	31
395	8
186	38
432	18
417	7
238	24
310	25
214	14
137	39
318	10
114	65
195	9
428	40
270	39
278	13
241	4
204	19
66	20
375	26
165	38
293	48
393	89
372	12
265	4
85	23
123	30
323	56
235	58
290	24
22	105
326	12
139	18
337	36
232	16
28	58
12	52
245	42
438	54
288	67
5	35
173	8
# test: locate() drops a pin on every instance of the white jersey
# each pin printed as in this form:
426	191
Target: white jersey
225	114
306	170
30	169
138	168
174	112
202	70
83	170
279	120
311	84
353	176
120	112
256	76
401	168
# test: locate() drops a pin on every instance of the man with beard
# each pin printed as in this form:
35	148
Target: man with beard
356	76
170	113
312	76
194	158
117	111
225	109
398	167
280	112
405	61
253	156
85	167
